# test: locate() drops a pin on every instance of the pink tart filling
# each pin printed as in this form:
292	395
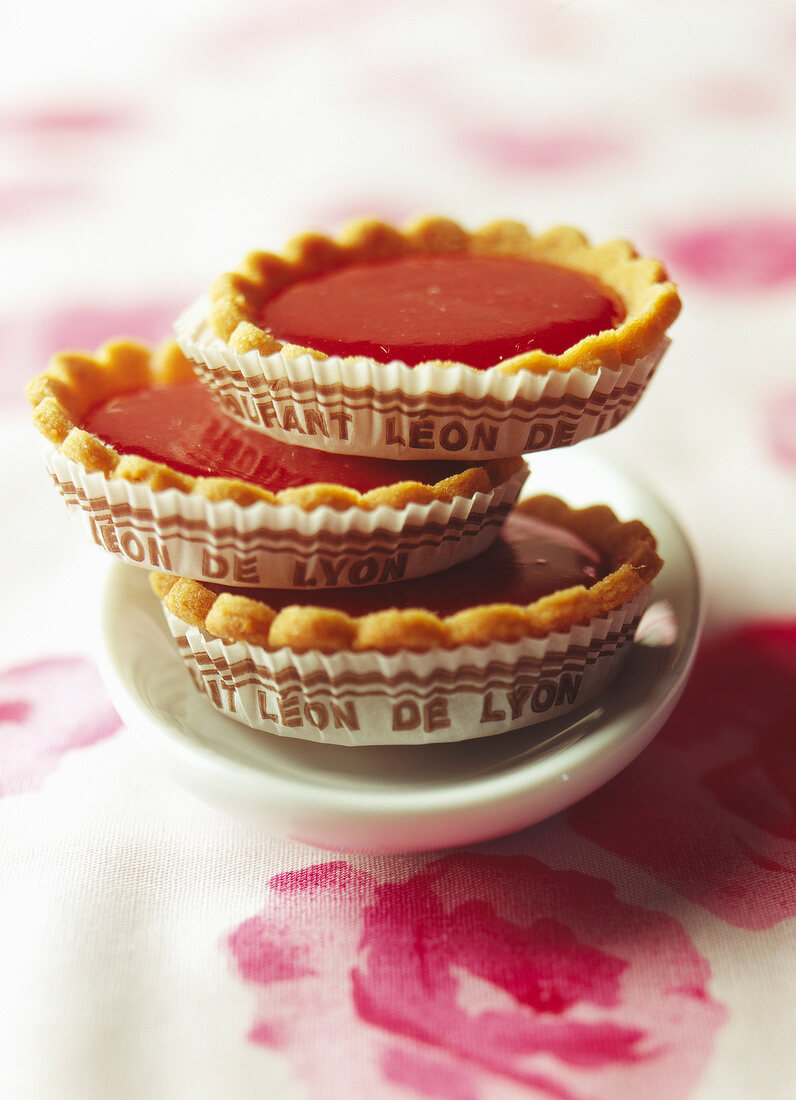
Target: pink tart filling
183	427
529	559
477	310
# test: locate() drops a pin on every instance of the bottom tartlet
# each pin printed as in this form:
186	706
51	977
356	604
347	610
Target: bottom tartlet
532	628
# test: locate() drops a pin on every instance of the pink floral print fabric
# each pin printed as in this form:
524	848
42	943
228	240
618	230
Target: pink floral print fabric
474	977
48	708
710	808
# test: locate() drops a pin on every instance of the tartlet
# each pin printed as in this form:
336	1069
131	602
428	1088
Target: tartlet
440	405
158	515
475	669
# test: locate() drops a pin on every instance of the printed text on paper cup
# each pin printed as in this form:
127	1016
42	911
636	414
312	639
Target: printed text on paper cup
289	710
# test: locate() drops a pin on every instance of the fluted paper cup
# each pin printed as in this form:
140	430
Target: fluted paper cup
405	698
277	545
399	412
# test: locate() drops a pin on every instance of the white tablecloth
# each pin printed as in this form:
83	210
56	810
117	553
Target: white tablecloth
639	944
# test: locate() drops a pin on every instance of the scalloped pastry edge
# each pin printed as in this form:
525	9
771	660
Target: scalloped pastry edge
629	546
651	300
76	381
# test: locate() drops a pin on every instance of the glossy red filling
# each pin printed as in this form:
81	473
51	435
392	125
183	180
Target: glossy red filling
528	559
471	309
184	428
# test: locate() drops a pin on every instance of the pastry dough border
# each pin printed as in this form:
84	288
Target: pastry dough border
651	300
75	381
629	547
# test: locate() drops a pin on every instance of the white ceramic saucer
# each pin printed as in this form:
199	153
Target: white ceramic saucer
412	798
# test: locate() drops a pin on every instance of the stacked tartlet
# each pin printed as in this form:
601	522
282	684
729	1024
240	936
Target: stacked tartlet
323	479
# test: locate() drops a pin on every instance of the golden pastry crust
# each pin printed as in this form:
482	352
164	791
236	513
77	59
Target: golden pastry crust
629	548
651	301
74	382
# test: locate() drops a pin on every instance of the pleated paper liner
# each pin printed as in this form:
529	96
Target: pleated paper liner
406	698
277	545
395	411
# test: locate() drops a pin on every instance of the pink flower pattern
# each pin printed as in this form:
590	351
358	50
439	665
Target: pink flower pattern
48	708
709	808
473	977
519	152
780	427
747	254
55	121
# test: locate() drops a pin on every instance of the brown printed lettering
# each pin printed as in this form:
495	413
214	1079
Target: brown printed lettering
435	715
278	385
453	436
487	712
214	691
108	533
313	418
568	688
290	422
245	570
95	531
239	404
230	403
394	568
363	572
132	547
421	434
564	433
330	572
158	555
267	413
485	436
406	715
538	437
344	714
249	407
358	571
518	698
342	419
317	715
392	434
262	706
213	566
290	711
544	696
300	578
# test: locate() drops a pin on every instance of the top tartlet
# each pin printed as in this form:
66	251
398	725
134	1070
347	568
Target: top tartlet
431	341
647	302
